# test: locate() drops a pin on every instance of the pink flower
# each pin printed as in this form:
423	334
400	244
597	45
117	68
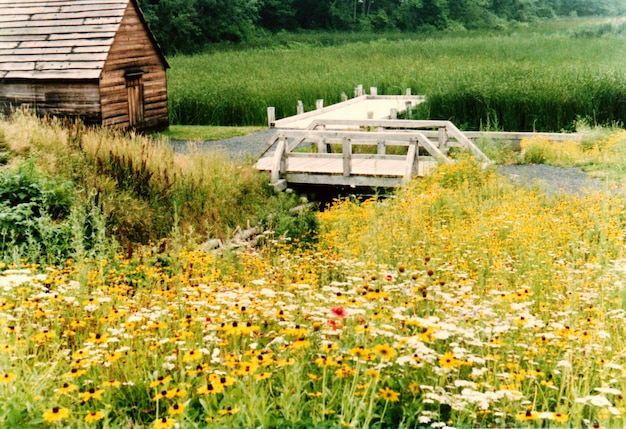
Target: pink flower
339	312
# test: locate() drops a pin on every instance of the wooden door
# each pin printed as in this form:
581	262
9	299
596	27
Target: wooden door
134	89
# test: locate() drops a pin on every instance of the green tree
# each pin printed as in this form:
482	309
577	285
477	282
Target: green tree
174	24
226	20
276	15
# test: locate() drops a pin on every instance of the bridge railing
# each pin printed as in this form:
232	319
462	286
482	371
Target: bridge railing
446	134
319	154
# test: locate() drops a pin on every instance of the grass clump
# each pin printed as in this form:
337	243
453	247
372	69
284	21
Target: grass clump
136	188
599	151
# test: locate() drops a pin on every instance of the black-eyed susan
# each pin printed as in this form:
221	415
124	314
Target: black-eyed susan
210	389
263	375
229	411
176	409
388	394
6	348
112	383
7	377
164	423
385	351
66	389
528	416
448	361
160	380
56	414
192	356
90	394
75	373
94	416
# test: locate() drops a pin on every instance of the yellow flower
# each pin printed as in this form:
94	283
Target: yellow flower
7	377
263	376
94	416
192	355
176	409
384	350
112	383
160	380
164	423
210	388
389	395
228	411
65	389
75	373
56	414
448	361
91	394
527	416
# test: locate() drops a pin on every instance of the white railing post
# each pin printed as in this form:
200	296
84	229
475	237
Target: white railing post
319	103
411	160
443	138
373	90
381	149
277	162
300	108
347	156
271	116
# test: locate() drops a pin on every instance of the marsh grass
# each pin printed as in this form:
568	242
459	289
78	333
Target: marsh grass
537	78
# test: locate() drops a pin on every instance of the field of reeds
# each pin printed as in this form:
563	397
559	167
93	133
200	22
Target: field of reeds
541	78
463	300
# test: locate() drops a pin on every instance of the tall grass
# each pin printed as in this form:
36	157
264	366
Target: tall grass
129	187
541	78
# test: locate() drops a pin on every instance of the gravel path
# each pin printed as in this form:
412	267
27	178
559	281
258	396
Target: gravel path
553	180
549	179
244	148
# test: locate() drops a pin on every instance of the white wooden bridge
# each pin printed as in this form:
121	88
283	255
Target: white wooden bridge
361	153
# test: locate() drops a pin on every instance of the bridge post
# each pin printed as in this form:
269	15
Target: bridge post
319	103
412	157
300	108
347	156
381	149
443	138
271	116
277	162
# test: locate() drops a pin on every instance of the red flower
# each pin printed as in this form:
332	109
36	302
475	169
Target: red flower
339	312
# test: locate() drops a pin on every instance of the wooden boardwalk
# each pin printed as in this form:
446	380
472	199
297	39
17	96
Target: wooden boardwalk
363	153
362	107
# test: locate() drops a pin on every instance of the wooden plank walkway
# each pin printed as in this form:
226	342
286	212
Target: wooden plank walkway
359	108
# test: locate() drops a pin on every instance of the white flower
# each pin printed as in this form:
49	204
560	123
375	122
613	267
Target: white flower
608	390
596	400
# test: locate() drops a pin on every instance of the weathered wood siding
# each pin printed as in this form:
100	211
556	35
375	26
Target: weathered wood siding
133	52
54	98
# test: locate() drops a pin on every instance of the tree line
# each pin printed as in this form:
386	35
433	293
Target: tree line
186	26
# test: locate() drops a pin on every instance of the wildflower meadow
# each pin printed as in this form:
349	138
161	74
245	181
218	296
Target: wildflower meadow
463	300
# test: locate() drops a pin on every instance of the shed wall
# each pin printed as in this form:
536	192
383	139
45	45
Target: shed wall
133	52
52	97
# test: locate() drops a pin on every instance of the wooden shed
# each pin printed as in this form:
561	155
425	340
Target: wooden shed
93	59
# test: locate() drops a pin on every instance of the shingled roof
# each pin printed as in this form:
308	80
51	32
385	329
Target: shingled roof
52	39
